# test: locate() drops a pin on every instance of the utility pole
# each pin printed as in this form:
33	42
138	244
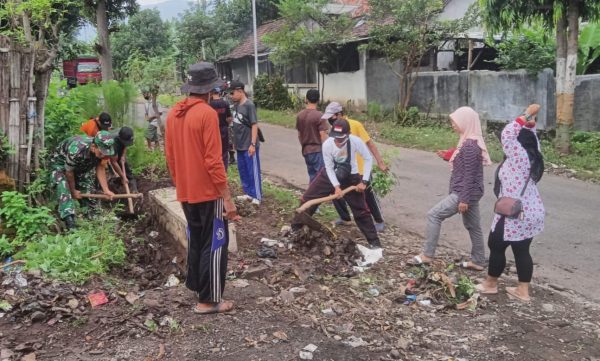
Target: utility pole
255	38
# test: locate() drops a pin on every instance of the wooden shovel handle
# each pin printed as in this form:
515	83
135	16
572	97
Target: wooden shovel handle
116	196
129	200
312	202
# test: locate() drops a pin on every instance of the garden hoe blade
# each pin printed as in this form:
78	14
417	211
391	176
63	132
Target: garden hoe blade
312	223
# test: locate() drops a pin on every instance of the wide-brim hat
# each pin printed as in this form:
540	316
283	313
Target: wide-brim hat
202	78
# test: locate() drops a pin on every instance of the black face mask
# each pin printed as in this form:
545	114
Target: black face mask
528	139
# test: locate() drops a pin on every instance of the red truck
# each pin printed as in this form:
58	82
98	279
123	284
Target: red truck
82	70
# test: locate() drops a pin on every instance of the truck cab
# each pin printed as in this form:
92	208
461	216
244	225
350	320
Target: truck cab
82	70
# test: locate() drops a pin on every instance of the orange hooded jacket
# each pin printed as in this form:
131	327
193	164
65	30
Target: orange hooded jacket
193	151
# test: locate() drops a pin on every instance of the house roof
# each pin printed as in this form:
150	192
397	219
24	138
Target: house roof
246	47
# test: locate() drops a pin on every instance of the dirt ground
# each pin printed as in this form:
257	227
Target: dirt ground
308	295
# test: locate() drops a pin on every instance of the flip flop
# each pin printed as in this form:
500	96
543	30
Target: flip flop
486	291
512	293
472	266
417	261
221	307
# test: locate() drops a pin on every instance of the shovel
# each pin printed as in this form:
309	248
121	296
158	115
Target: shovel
116	196
312	223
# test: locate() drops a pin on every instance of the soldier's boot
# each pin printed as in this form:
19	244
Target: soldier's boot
70	222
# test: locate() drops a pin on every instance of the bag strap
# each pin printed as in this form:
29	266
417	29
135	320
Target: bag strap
243	120
349	149
526	184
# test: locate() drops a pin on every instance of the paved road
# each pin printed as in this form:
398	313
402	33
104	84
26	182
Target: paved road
567	253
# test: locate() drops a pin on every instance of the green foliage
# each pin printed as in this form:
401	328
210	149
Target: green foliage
284	118
383	182
144	34
270	93
5	149
168	100
151	164
28	222
584	158
118	97
307	33
90	249
375	112
530	49
153	75
465	288
589	47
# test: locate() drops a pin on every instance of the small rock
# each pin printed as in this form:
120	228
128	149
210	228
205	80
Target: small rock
285	231
286	296
327	251
35	273
395	354
403	343
548	307
280	335
153	234
329	312
131	297
297	290
354	341
337	337
151	303
305	355
373	291
37	316
269	242
73	303
310	348
239	283
9	292
166	320
255	272
6	354
29	357
172	281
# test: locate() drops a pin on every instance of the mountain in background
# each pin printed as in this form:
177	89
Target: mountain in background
169	10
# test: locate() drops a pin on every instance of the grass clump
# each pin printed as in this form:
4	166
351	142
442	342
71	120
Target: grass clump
285	118
150	163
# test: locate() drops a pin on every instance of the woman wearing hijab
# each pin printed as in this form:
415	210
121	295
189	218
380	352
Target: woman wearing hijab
517	177
466	188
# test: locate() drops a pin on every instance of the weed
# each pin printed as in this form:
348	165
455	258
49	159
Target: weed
74	257
174	326
152	164
284	118
79	321
464	289
151	325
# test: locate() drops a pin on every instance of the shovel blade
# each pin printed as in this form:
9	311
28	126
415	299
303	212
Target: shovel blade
315	225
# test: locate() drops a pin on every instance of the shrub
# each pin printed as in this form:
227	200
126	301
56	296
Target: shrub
270	93
5	148
117	99
152	164
63	112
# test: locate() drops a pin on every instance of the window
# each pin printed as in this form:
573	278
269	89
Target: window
88	68
345	58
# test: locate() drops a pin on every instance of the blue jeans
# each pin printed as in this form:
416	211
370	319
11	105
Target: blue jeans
314	163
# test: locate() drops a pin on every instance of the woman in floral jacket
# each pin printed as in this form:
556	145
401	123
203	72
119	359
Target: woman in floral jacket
522	169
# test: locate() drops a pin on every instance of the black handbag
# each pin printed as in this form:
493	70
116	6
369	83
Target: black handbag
343	170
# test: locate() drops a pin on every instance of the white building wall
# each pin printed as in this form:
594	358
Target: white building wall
348	87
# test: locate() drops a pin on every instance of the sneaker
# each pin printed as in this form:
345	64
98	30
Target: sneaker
341	222
244	197
256	202
379	227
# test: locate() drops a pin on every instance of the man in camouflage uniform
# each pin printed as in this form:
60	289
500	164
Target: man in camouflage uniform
72	165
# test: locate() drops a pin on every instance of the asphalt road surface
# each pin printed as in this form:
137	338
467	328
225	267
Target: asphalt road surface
567	253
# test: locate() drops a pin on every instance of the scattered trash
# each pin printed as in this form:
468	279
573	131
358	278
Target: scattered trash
329	312
239	283
153	234
161	351
280	335
285	231
266	252
20	280
409	299
310	348
370	256
305	355
172	281
373	291
425	302
29	357
354	341
167	321
269	242
97	299
297	290
5	306
470	304
73	303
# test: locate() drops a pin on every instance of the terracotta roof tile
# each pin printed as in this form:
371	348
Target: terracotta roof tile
246	48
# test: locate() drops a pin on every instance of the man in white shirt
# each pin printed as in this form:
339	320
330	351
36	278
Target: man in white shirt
340	172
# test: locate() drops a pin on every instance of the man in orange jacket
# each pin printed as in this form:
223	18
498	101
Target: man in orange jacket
94	125
194	156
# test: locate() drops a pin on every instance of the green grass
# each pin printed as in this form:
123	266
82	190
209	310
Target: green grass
284	118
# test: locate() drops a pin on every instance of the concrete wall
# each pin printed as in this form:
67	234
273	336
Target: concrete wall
348	87
587	103
382	84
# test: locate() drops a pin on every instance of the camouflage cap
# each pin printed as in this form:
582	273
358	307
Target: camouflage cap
105	141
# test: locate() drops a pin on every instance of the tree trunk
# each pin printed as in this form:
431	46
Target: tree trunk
103	41
566	64
40	86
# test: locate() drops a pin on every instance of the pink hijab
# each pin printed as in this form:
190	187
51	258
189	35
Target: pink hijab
469	125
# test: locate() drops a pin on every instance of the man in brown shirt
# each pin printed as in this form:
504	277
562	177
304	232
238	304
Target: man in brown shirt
312	132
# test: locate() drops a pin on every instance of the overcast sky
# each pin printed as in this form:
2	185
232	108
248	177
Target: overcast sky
149	2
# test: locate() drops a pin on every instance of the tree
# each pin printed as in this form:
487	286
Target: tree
405	30
40	25
106	14
145	34
528	48
308	34
564	17
153	75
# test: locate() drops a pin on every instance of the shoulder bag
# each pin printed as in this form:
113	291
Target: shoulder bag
511	207
343	170
261	137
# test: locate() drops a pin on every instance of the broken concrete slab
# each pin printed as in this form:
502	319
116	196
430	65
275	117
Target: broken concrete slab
167	211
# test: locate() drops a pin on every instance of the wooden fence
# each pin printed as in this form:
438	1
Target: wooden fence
17	108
